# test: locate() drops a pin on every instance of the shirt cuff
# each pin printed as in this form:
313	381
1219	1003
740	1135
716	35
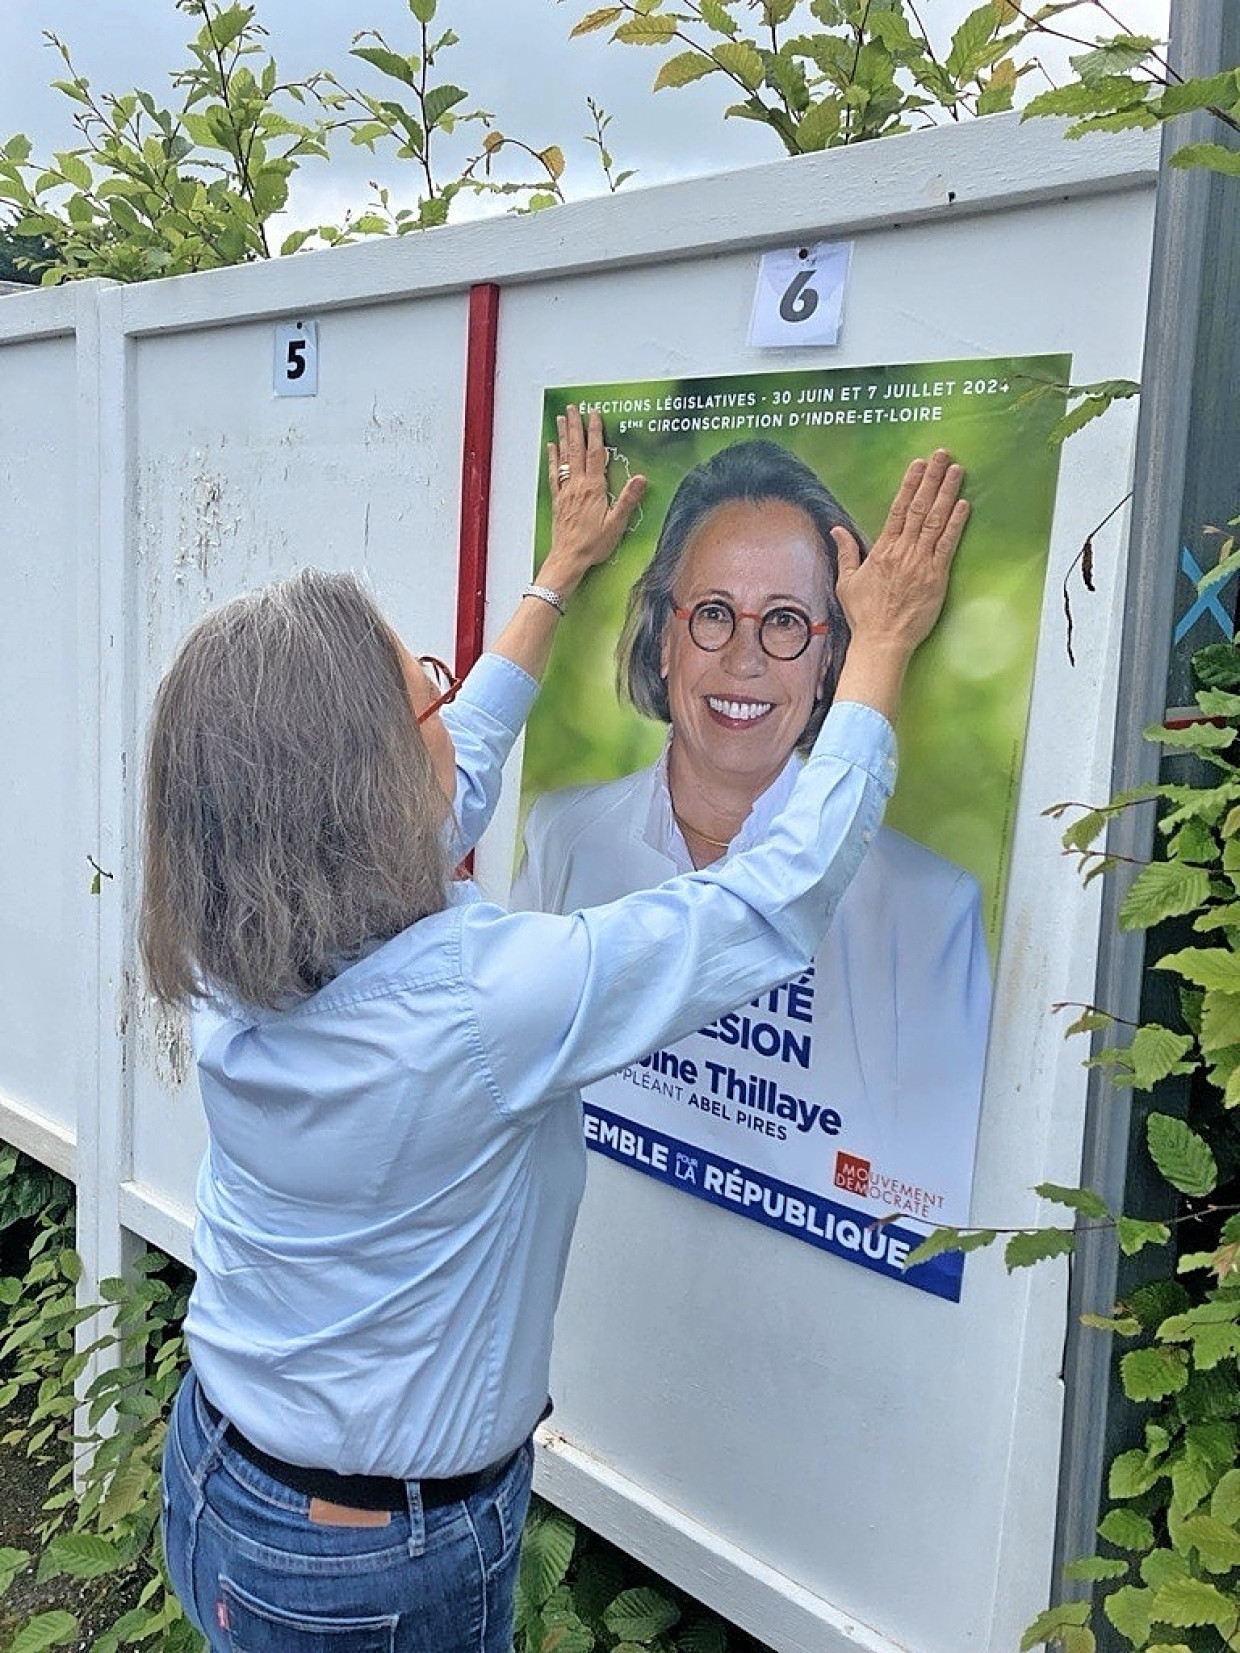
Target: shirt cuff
499	688
857	734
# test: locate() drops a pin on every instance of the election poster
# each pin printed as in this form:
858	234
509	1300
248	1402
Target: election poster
840	1108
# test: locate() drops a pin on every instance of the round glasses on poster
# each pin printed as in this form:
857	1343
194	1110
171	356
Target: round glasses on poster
784	632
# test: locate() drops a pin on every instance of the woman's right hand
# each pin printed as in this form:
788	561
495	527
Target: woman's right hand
893	598
586	524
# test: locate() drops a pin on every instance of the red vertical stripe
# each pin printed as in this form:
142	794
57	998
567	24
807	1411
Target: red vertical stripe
476	473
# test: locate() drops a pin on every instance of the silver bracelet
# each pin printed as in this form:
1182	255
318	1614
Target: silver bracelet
546	595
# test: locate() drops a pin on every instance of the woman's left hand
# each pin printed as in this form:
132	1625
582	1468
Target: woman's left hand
586	525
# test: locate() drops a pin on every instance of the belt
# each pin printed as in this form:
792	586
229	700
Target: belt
366	1492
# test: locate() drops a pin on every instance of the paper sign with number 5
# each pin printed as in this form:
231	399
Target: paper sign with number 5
296	363
800	295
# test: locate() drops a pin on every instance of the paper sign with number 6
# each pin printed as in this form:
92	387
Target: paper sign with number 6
799	298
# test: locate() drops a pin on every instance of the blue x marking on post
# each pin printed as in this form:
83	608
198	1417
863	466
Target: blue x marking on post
1205	602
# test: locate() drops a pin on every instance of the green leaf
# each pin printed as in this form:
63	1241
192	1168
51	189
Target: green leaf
11	1563
1078	416
1191	1601
1225	1499
704	1636
1093	1569
949	1239
1131	1474
1218	702
1089	1021
423	10
1082	833
1084	1200
1220	1021
1199	93
715	16
646	31
596	20
1128	1609
1210	155
1193	841
1191	737
388	62
1100	97
439	100
683	68
999	91
740	59
1160	1566
44	1630
546	1551
968	45
1216	1543
1047	1625
226	26
1181	1155
1134	1234
1118	55
1123	1325
818	125
1217	666
1155	1053
1153	1374
80	1554
74	170
132	1487
1164	889
1215	968
640	1614
1127	1530
1023	1250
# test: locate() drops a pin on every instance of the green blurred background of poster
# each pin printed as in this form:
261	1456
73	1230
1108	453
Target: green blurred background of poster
962	723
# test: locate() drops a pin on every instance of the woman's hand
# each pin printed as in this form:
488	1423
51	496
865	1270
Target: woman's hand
585	530
894	597
585	526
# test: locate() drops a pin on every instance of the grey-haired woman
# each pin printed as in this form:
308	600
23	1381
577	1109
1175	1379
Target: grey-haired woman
390	1068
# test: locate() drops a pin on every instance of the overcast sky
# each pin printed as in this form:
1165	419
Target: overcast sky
515	59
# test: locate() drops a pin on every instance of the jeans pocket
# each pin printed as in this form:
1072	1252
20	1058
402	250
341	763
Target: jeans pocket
255	1626
498	1515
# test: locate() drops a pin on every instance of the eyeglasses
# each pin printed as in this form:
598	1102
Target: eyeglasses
783	633
442	679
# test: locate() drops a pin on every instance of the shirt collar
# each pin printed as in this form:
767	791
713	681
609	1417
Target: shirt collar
664	835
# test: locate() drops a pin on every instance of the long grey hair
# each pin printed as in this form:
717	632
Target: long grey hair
292	815
750	472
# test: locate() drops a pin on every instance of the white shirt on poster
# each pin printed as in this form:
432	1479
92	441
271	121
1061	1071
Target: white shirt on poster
902	987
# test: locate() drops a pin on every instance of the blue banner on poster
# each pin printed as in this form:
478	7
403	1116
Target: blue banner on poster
840	1229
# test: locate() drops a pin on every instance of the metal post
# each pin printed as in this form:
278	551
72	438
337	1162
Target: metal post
1186	475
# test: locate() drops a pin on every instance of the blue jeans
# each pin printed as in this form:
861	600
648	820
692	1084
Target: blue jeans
256	1575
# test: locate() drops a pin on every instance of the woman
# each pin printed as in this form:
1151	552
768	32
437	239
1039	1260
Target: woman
735	638
390	1068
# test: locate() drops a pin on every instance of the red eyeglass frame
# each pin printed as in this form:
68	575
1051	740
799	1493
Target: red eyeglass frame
817	628
449	694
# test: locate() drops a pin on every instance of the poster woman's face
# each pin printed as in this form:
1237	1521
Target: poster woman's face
737	712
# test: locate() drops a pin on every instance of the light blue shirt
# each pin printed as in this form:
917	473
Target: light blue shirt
395	1164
